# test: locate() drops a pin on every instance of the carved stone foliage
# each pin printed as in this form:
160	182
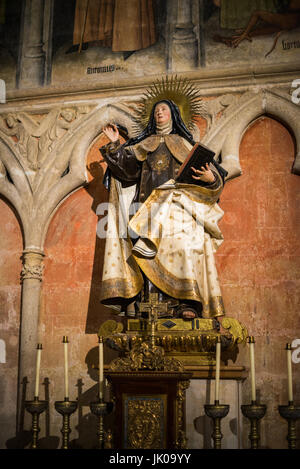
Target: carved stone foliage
35	136
43	154
36	157
33	266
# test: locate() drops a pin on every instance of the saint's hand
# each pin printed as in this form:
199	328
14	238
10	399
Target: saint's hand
111	132
205	174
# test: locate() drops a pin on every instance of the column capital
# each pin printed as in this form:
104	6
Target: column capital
33	266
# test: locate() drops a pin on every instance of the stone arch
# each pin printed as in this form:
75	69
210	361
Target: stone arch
14	186
86	134
225	138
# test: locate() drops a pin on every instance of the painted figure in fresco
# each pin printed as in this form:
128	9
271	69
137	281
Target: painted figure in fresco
124	26
272	16
174	232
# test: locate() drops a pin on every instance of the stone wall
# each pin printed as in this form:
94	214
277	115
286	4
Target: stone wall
51	187
258	266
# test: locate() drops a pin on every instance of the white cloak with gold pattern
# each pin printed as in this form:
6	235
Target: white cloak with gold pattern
178	234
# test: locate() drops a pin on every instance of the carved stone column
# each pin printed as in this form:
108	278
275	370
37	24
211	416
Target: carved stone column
184	47
31	277
32	56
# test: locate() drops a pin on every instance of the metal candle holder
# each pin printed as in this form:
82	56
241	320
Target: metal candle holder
254	412
35	408
100	409
216	412
291	413
66	408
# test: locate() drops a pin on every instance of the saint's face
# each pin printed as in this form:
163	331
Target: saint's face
162	113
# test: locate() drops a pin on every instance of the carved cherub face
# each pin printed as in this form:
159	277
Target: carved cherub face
68	114
10	120
162	113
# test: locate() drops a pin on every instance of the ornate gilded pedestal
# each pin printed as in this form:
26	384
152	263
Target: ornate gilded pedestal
192	342
149	394
149	379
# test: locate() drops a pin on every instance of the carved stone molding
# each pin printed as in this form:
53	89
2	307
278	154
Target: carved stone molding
225	134
33	266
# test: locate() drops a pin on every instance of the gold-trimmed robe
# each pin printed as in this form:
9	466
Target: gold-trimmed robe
177	235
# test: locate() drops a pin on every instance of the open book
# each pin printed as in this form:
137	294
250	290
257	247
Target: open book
198	156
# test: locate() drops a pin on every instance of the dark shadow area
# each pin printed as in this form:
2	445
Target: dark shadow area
87	424
63	21
203	424
9	204
97	313
11	13
23	437
48	442
233	425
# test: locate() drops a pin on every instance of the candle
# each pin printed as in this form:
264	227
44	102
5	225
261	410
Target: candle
101	378
65	342
218	357
252	368
289	368
37	373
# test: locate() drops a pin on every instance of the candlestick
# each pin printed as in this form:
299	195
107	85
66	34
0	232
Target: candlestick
291	413
289	369
37	374
216	412
101	378
218	357
66	408
35	408
65	342
252	368
254	412
101	409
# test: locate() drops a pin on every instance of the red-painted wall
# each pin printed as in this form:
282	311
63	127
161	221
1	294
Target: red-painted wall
10	294
259	261
258	265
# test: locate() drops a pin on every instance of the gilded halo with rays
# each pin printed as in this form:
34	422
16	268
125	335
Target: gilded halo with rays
180	91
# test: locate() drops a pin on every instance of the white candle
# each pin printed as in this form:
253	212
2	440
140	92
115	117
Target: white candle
218	359
65	342
289	369
101	377
252	368
37	372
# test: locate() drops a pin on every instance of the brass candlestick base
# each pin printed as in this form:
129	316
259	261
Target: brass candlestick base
216	411
100	409
254	412
291	413
35	408
66	408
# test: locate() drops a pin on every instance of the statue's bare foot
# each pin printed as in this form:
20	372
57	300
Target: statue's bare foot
185	311
188	314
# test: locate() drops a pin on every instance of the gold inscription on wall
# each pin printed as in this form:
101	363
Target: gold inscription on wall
145	421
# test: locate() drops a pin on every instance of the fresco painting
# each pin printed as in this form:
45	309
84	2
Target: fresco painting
104	41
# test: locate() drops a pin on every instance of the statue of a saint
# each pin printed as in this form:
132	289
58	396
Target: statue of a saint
170	229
